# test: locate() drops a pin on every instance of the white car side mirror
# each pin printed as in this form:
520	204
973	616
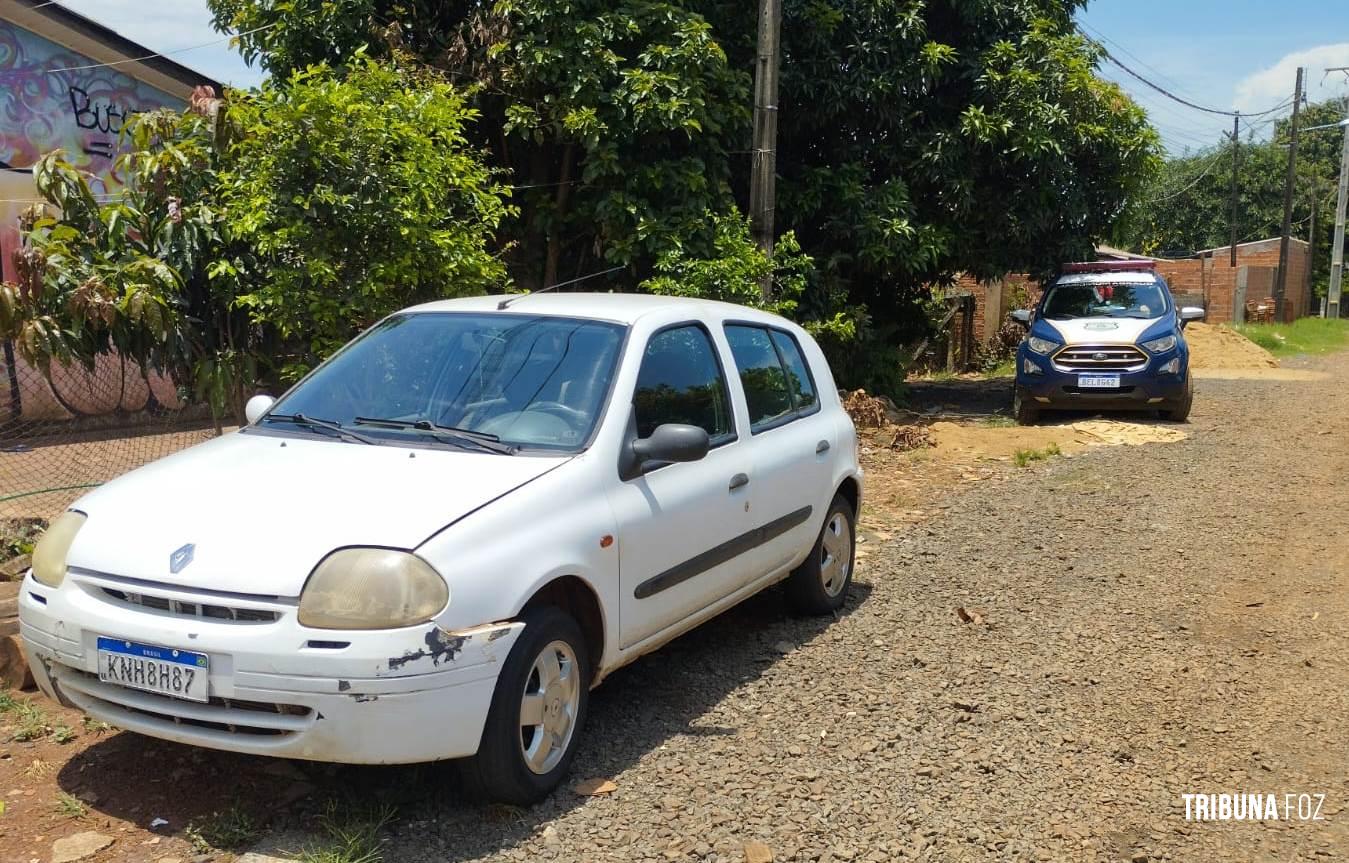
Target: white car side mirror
257	406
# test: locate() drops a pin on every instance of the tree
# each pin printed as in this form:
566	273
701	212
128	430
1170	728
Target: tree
355	196
917	139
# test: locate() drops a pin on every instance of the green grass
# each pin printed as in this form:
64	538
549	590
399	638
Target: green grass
24	719
231	829
1303	336
997	421
70	806
350	836
1026	457
1004	369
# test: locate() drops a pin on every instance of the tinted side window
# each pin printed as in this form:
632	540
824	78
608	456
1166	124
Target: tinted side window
798	374
766	391
681	382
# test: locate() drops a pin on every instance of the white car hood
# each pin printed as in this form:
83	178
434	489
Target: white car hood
263	510
1101	331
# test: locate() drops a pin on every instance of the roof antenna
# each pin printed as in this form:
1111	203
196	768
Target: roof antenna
505	304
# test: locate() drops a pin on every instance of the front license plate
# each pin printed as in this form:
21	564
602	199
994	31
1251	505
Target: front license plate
1098	382
165	670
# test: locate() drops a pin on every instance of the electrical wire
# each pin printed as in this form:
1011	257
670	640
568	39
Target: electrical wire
1105	52
1202	174
165	54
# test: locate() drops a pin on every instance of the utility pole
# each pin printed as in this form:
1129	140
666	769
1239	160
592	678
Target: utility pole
1281	284
1311	247
1337	247
1236	148
763	176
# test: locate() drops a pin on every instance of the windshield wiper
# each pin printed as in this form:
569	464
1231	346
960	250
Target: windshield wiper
483	440
311	422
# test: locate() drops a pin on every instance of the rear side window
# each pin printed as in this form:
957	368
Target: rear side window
798	374
773	372
681	382
761	375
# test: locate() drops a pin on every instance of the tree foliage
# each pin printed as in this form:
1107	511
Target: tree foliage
354	197
919	138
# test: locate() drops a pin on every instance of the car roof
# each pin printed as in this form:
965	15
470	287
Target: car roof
619	308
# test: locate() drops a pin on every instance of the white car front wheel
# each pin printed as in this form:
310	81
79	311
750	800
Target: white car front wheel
537	713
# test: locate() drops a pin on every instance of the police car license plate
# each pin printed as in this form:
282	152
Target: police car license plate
164	670
1098	382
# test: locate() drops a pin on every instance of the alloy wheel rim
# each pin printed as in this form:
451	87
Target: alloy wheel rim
548	707
835	554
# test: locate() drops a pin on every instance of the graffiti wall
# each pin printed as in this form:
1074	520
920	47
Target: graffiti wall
80	111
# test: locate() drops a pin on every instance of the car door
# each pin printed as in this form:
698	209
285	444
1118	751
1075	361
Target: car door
791	441
684	528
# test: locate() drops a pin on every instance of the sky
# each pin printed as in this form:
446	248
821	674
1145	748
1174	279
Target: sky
1226	54
1223	54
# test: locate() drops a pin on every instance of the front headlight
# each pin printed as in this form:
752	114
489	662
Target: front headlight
1162	345
49	556
1041	346
372	588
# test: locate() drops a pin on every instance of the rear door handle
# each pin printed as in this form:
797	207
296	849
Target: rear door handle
740	480
822	446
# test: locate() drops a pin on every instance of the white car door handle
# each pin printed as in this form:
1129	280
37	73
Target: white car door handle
822	446
740	480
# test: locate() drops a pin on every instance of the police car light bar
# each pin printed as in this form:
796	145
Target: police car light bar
1109	266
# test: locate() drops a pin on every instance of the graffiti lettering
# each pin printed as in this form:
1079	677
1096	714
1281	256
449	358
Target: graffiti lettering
104	116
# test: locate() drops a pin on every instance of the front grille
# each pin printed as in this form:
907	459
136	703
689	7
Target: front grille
220	715
211	611
1100	358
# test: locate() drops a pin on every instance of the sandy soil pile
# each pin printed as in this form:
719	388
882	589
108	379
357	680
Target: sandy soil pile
1219	347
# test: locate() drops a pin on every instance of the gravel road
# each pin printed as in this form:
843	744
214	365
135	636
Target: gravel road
1152	621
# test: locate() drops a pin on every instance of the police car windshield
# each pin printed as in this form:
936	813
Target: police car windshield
1104	300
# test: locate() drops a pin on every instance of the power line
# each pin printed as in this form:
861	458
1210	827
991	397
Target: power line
1105	52
1202	174
21	72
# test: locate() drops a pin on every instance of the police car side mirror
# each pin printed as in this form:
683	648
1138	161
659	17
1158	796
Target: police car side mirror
1021	316
1191	313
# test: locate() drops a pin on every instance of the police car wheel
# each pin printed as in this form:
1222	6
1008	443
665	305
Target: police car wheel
1181	412
1025	411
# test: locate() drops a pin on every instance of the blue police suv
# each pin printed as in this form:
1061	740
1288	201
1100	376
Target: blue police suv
1105	336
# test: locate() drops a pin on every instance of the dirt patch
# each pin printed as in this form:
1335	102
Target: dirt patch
906	486
967	442
1214	346
1260	374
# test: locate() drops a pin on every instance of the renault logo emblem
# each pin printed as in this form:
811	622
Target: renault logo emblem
179	560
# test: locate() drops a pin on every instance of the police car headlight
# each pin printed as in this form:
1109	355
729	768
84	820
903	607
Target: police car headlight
1162	345
1041	346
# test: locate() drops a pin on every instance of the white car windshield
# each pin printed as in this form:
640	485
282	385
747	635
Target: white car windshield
1105	300
473	380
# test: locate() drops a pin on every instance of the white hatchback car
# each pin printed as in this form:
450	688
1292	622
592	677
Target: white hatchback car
434	545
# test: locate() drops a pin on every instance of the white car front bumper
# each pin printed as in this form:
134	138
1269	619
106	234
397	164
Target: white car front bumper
276	688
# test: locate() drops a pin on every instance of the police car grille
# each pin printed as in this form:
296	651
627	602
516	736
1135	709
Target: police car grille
1100	358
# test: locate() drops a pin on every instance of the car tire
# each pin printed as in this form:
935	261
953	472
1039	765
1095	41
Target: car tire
521	764
1181	412
820	584
1024	410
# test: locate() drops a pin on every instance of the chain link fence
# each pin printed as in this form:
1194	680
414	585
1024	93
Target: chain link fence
65	431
